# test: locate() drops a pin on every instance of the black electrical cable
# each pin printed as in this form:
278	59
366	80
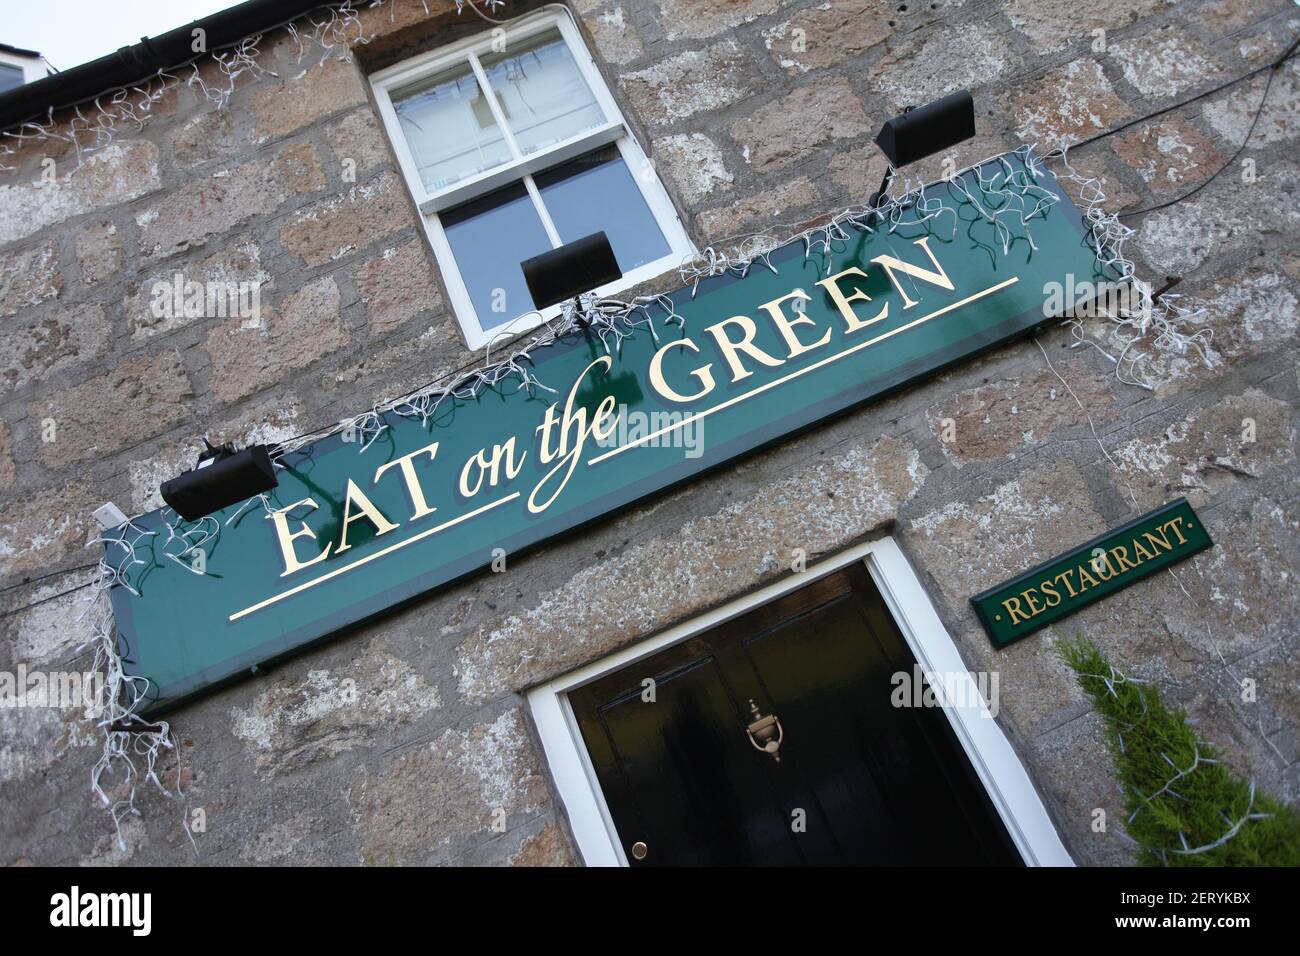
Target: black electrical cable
1290	52
1272	67
46	600
52	574
1259	111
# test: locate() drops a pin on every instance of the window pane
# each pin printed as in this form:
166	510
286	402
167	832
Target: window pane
596	193
490	236
449	127
541	91
11	77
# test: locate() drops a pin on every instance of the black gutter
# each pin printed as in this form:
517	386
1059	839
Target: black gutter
133	65
17	51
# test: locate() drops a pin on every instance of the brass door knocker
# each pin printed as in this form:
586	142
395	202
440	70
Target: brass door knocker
765	733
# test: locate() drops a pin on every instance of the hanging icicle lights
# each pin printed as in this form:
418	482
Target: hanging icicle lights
329	32
1004	196
1007	200
134	749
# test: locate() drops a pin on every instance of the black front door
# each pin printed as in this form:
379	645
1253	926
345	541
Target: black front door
858	780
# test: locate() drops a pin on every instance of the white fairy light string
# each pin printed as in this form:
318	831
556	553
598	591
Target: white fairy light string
611	320
1171	320
133	747
128	739
331	32
1021	196
1003	194
333	29
1165	317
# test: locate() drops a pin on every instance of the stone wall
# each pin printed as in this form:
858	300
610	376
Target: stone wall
755	112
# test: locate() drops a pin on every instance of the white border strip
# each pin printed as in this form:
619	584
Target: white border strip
990	753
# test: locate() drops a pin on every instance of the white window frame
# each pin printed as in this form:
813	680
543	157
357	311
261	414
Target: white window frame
615	131
990	753
34	67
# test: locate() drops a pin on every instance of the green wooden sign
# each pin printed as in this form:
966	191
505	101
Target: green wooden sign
1090	572
810	331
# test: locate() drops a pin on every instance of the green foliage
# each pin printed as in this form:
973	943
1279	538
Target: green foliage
1179	796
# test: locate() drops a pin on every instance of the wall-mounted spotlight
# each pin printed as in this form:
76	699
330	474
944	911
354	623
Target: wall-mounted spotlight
222	477
569	271
921	131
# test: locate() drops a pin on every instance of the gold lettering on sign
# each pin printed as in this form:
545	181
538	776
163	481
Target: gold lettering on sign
572	423
1162	539
562	436
1120	554
1116	562
482	464
365	509
845	302
1064	577
1173	524
1086	580
604	422
546	430
786	325
419	507
280	521
704	374
746	344
1012	606
891	265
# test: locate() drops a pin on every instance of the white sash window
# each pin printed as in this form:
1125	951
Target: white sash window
512	145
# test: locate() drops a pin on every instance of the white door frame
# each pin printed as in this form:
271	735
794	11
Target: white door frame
989	751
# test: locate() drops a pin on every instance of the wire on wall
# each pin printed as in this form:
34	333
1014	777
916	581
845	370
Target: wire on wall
132	748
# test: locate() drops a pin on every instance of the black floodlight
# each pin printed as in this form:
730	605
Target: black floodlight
921	131
222	477
569	271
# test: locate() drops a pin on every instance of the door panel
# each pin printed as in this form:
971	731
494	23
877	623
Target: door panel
858	781
683	782
831	690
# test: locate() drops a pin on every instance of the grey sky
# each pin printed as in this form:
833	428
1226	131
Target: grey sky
71	32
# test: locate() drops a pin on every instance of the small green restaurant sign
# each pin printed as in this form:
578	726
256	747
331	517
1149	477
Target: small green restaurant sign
1090	572
739	362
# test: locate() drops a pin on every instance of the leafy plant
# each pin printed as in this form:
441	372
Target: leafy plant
1185	807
